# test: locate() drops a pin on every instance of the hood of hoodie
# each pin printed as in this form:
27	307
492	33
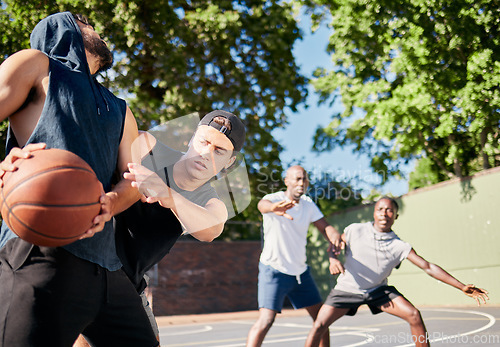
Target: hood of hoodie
59	37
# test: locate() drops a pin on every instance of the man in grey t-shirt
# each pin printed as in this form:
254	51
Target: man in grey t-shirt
373	250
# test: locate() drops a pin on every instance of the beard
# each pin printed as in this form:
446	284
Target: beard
98	48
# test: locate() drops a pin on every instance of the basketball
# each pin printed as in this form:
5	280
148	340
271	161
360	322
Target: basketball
51	199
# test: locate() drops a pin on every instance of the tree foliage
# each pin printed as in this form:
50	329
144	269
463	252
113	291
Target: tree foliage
332	195
418	79
177	57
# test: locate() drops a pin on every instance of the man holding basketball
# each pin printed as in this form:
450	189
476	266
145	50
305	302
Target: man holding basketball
51	97
282	268
373	250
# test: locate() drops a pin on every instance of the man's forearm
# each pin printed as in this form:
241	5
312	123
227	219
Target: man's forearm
264	206
331	233
440	274
123	195
204	222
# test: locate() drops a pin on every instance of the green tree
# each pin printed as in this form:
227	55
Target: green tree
177	57
332	194
418	79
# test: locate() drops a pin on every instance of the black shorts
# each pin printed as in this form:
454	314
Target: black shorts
374	299
48	296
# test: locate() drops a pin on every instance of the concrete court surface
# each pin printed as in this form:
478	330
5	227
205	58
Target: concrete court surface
447	326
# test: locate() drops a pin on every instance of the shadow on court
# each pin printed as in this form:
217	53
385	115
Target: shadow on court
452	326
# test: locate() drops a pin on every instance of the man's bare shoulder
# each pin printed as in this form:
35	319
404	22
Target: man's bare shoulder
23	80
27	59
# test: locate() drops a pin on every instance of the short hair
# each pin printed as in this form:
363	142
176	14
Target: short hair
222	121
392	200
81	18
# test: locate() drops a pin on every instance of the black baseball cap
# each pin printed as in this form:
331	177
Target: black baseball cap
237	132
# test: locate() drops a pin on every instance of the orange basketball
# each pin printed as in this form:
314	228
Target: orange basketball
51	199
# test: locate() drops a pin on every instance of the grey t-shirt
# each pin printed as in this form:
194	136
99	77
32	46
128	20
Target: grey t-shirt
370	258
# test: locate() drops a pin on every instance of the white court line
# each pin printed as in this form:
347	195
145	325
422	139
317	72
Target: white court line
490	324
306	326
267	341
355	331
186	332
370	338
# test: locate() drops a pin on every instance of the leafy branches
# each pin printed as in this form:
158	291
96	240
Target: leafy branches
177	57
425	75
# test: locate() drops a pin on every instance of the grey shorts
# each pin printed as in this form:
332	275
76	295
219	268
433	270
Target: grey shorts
374	299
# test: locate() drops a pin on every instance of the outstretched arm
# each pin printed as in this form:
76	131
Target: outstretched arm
204	222
279	208
440	274
330	233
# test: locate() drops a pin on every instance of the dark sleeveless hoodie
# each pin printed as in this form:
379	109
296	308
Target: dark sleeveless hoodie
79	115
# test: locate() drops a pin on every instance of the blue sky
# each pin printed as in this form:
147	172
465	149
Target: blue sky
297	137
